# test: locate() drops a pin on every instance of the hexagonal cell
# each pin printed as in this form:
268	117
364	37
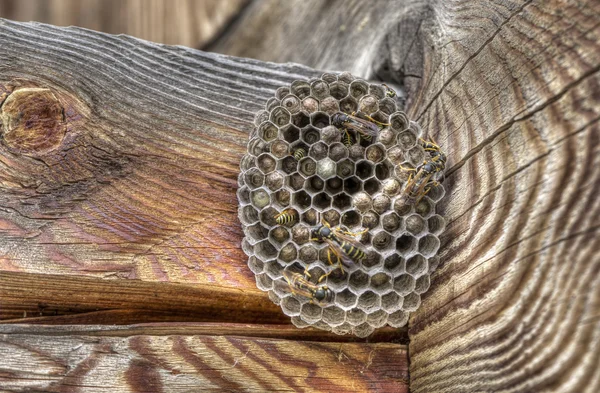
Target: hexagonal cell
370	219
405	244
326	168
394	264
310	135
264	282
319	89
372	186
282	92
416	155
391	302
273	270
404	284
407	140
247	162
436	193
377	91
288	253
329	77
261	117
342	201
364	169
359	88
301	119
429	245
291	103
301	199
243	194
298	322
322	201
247	247
290	306
398	319
338	151
424	207
395	155
345	168
401	208
279	235
254	178
288	164
346	77
415	224
391	222
375	153
280	116
331	135
255	265
266	163
280	149
318	151
333	315
265	250
377	318
334	185
267	216
399	122
387	105
381	203
295	181
308	254
391	187
412	301
311	313
314	185
329	105
383	171
356	152
300	89
274	181
300	234
338	90
371	261
356	316
351	219
387	137
422	284
248	215
346	299
382	241
362	202
307	167
257	146
332	217
358	281
433	263
260	198
319	120
310	217
369	301
343	329
348	105
272	103
416	265
368	104
281	198
436	224
290	133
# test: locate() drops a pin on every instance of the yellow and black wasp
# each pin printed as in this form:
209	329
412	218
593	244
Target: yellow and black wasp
286	217
347	139
299	154
389	92
363	124
422	179
342	246
299	285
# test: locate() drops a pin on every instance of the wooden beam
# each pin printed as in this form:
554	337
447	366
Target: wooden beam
179	362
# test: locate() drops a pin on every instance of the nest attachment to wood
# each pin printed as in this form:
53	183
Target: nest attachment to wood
304	169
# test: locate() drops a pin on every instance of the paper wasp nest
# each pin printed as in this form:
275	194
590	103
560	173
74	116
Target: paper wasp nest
357	187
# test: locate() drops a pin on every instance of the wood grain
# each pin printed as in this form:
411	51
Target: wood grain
175	22
181	363
131	195
511	92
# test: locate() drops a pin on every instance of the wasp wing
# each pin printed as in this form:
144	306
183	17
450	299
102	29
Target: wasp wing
363	127
339	253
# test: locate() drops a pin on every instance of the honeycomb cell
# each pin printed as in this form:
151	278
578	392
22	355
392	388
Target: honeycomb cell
319	120
338	90
334	186
280	149
416	155
412	301
346	299
322	201
436	224
311	313
391	187
372	261
358	281
273	269
381	203
301	119
329	77
383	171
332	217
288	165
405	244
391	302
338	151
359	88
382	241
264	282
247	162
415	224
288	253
404	284
395	155
248	215
329	106
394	264
436	193
280	116
391	222
291	103
281	198
346	77
272	103
254	178
326	168
370	219
416	265
243	194
377	90
333	316
291	306
424	207
399	122
387	137
299	322
310	135
345	169
375	153
330	135
295	181
407	140
356	316
377	319
363	330
290	133
247	247
256	146
364	169
308	254
261	117
300	234
266	163
302	200
348	105
401	208
351	219
267	216
368	104
282	92
369	301
260	198
301	89
279	235
387	105
433	263
318	151
314	185
356	152
255	265
362	202
319	89
308	167
274	181
422	284
265	250
342	201
398	319
429	245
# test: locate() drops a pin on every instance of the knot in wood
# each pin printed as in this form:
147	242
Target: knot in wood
32	121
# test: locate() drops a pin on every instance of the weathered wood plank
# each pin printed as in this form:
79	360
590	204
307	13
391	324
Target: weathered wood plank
181	363
119	182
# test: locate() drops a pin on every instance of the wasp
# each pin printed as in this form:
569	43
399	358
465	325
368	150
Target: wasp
288	216
299	154
345	249
364	125
389	91
436	154
299	285
347	139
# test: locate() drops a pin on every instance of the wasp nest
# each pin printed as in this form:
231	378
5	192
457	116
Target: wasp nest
299	162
